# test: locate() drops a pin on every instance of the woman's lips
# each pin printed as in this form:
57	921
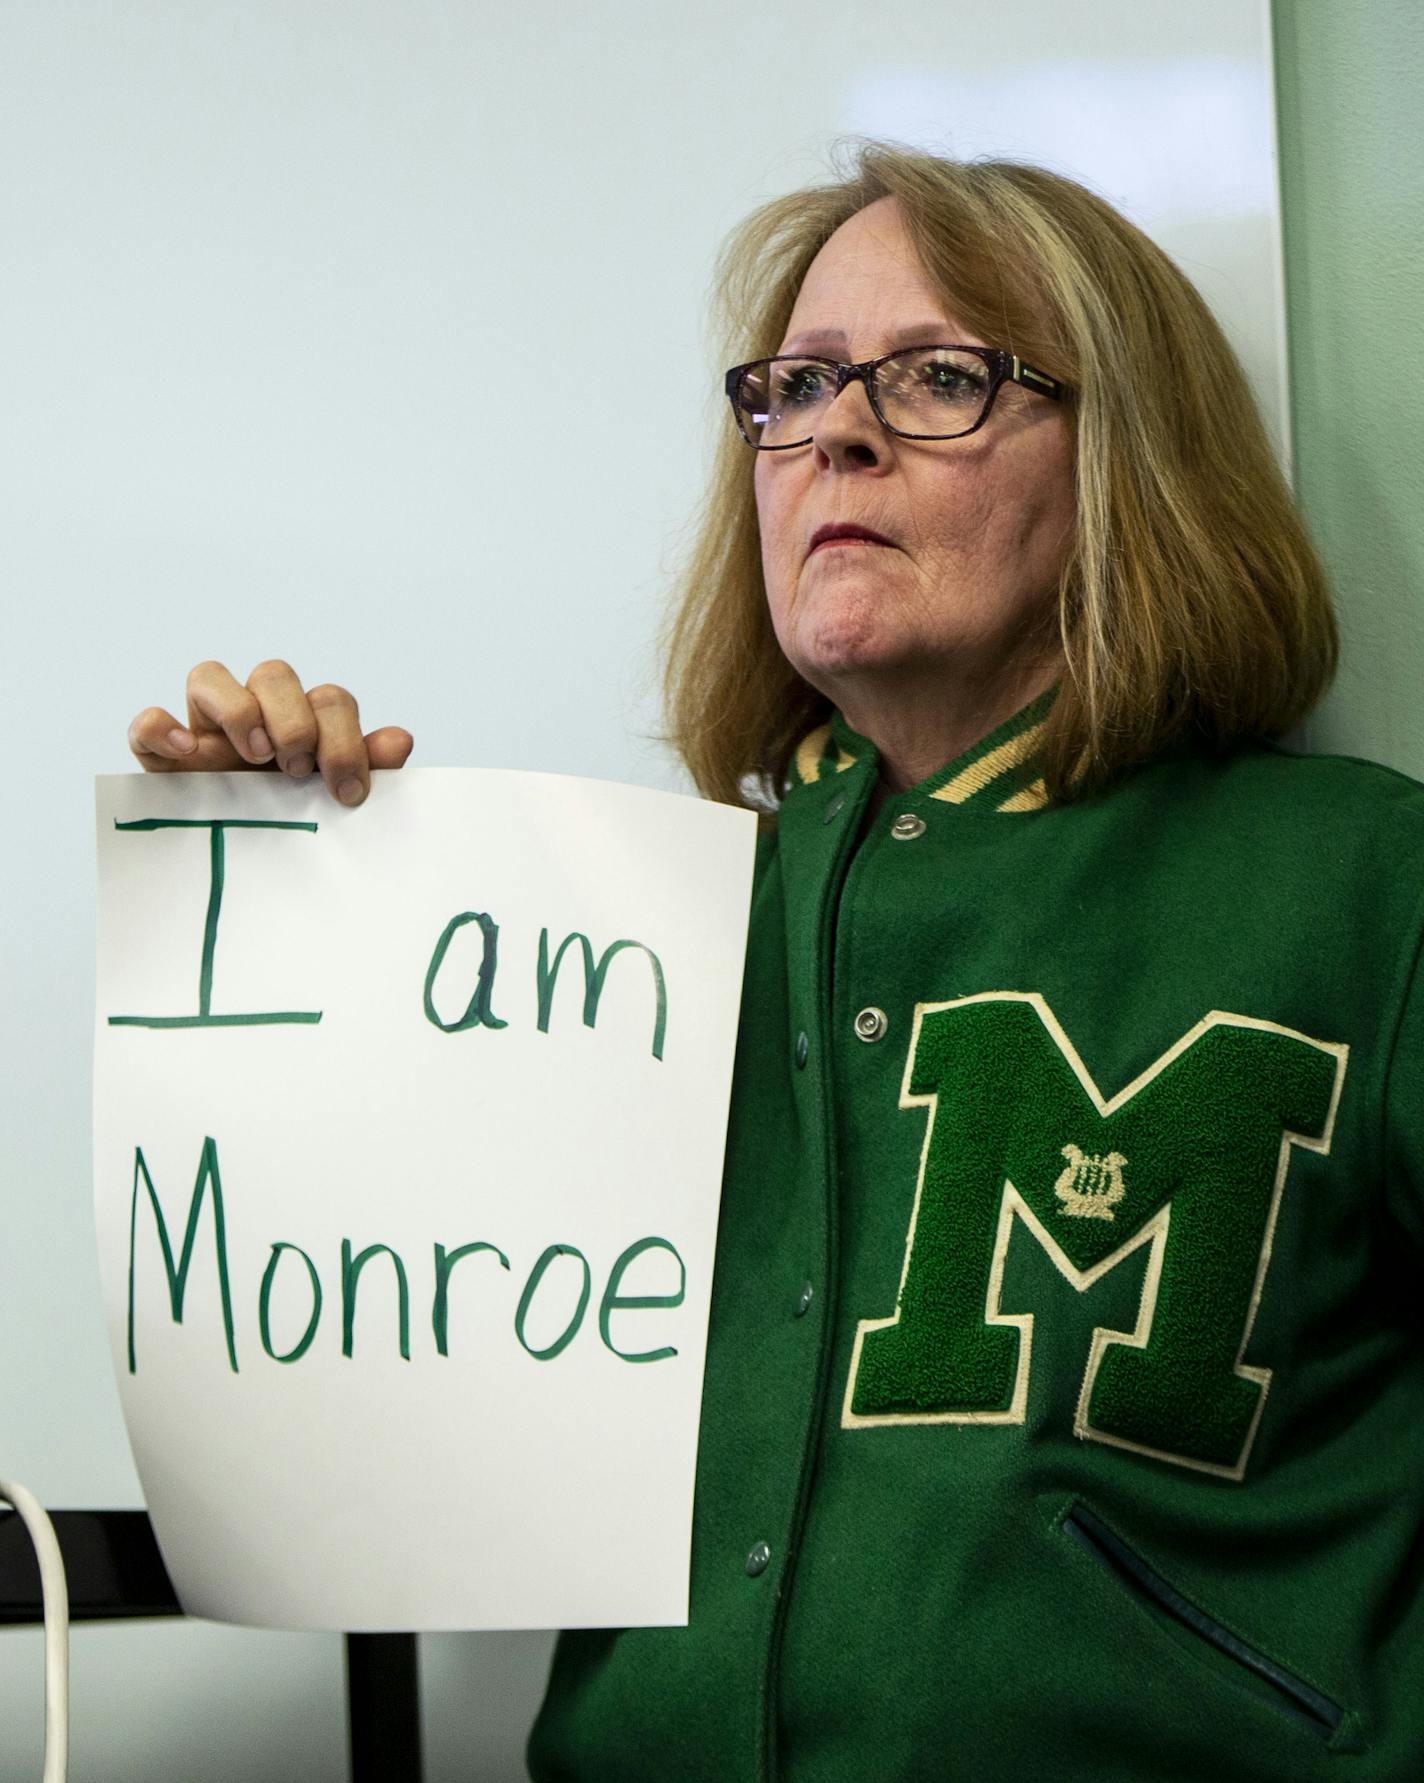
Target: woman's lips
846	532
831	544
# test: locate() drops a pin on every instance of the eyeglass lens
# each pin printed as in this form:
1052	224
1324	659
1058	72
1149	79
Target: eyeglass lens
932	391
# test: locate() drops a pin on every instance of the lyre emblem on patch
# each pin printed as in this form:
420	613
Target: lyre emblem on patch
1091	1186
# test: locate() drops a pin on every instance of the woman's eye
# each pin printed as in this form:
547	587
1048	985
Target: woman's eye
799	384
954	382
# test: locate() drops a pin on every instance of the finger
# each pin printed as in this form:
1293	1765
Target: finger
287	716
162	745
158	733
389	747
341	749
218	703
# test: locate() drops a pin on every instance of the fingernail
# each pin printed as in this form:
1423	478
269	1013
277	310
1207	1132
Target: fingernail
259	743
299	765
181	739
350	792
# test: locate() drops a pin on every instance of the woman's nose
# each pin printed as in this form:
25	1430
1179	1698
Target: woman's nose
849	428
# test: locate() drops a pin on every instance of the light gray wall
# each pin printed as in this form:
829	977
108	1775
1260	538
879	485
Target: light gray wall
1349	77
279	276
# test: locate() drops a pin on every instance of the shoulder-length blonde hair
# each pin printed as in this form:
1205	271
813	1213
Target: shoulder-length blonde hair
1191	593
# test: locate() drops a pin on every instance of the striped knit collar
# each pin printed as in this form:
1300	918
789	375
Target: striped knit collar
998	773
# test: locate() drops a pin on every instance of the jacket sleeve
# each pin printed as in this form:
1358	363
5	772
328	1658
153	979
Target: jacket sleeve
1404	1108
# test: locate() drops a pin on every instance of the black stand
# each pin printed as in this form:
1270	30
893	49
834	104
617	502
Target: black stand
114	1569
383	1708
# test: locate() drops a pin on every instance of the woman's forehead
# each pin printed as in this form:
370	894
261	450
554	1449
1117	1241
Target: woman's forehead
866	289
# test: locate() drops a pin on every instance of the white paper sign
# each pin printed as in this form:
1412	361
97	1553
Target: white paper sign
416	1113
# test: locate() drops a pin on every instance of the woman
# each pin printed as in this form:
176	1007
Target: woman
1064	1402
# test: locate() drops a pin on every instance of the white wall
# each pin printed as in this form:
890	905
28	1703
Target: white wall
276	276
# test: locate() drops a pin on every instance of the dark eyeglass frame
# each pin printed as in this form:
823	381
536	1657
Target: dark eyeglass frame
1004	367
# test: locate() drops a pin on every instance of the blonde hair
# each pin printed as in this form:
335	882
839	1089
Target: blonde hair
1191	594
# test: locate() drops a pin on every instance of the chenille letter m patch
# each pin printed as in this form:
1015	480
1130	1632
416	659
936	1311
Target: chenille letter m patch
1190	1159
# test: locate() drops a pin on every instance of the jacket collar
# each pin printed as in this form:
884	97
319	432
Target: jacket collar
998	773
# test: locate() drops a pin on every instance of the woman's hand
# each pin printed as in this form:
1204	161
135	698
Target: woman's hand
269	723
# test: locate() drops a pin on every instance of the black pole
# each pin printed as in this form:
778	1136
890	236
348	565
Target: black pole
383	1708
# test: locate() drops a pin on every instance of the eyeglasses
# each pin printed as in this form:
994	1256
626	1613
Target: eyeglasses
919	393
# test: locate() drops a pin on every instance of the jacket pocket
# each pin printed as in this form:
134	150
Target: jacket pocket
1139	1580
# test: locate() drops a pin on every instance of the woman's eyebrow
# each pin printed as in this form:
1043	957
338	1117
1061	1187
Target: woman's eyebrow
924	333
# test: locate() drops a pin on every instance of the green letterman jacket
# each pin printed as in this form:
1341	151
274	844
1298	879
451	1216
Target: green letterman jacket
1064	1407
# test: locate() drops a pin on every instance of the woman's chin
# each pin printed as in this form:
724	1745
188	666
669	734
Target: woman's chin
838	627
841	651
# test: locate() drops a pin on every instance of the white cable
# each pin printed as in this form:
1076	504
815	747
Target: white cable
56	1626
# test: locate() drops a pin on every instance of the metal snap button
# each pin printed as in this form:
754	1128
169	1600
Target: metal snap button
803	1049
757	1559
804	1298
871	1024
834	809
907	826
